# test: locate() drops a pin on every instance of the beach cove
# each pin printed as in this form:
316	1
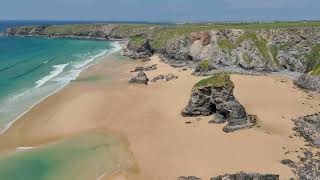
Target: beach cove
145	122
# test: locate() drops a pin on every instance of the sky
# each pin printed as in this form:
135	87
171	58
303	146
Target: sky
160	10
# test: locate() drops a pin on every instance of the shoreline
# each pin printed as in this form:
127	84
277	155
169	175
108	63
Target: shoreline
154	128
95	61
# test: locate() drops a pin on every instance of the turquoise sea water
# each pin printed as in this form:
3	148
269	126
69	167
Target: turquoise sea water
33	68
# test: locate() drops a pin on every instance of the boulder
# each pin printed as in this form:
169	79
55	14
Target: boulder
188	178
167	77
157	78
214	95
170	77
247	176
148	68
151	68
140	78
309	82
138	68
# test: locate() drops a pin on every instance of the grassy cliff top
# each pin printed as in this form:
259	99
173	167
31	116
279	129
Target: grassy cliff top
217	80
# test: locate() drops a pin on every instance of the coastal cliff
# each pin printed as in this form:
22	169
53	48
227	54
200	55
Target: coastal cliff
209	48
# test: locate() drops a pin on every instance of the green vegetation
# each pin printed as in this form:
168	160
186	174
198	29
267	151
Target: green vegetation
68	29
275	50
224	43
313	60
204	64
247	58
260	43
217	80
316	70
137	40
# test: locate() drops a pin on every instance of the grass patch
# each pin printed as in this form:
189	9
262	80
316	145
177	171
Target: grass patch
316	70
204	64
217	80
313	60
247	59
275	50
69	29
137	40
224	43
259	42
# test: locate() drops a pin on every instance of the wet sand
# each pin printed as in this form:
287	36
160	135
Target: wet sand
149	117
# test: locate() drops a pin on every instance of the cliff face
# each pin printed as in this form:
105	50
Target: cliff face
293	49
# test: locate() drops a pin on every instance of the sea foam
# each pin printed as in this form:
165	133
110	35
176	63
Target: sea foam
57	69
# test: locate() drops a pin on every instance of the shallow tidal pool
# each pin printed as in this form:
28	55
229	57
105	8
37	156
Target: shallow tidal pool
83	157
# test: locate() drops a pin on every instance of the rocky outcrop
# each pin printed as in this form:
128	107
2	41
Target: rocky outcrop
188	178
138	49
215	96
262	50
148	68
168	77
247	176
309	128
140	78
237	176
307	166
308	82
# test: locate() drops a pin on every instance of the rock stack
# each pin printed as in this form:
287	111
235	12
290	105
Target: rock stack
214	96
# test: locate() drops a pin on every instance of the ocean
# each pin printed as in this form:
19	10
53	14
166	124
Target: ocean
33	68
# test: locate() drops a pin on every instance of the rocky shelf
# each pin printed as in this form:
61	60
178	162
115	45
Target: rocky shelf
237	176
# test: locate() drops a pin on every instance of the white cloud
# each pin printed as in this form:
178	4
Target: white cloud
236	4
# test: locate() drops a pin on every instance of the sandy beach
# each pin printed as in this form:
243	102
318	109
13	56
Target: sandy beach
149	118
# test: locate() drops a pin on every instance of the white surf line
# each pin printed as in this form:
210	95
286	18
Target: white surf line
24	148
116	48
57	69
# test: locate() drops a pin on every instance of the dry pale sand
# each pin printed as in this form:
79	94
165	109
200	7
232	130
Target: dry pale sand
163	145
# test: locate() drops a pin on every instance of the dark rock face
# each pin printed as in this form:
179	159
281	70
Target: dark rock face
140	78
309	128
178	49
188	178
215	96
137	51
308	82
247	176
